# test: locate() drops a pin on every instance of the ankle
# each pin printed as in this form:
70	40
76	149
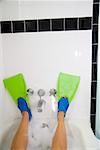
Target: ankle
60	116
25	114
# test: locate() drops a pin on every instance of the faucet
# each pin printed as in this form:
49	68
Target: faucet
30	92
41	101
53	92
44	125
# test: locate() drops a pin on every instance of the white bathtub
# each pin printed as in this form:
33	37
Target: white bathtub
40	57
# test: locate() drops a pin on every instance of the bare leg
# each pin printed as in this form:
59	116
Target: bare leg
59	140
21	137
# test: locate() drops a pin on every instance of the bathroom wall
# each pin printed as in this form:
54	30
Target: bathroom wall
23	10
0	75
1	84
0	72
40	56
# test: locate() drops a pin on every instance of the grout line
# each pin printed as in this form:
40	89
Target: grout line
78	23
94	43
93	114
37	25
50	24
95	24
96	2
94	81
93	98
24	26
64	24
95	63
11	27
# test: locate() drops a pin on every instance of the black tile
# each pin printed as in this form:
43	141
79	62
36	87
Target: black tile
57	24
96	1
95	34
93	106
93	89
31	25
94	72
18	26
93	122
71	24
95	13
44	25
94	131
85	23
94	53
6	27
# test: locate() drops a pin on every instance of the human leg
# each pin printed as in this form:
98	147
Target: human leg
60	140
21	137
20	140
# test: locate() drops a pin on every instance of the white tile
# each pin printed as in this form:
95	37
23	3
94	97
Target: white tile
41	56
19	10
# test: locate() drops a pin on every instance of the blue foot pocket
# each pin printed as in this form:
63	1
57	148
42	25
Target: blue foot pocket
22	105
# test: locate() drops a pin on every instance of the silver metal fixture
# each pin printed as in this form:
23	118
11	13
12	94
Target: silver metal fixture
30	92
41	102
41	92
44	125
53	92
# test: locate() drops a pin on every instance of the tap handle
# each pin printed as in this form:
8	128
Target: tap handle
53	92
41	92
30	92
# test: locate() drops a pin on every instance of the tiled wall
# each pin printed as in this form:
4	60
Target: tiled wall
94	61
64	24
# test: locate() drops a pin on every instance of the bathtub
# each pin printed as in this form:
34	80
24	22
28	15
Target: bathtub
22	53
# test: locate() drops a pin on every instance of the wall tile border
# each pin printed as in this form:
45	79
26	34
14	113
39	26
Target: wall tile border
94	61
57	24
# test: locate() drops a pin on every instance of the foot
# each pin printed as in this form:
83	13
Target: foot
22	105
63	105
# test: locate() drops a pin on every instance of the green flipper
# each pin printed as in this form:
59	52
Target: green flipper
16	87
67	86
